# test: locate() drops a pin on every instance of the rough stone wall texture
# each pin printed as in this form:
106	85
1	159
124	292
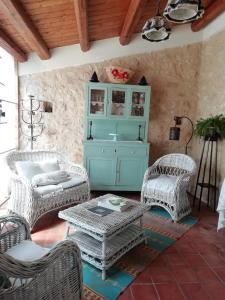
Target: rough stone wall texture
211	91
172	74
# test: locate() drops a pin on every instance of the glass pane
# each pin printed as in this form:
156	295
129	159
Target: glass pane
97	102
138	104
118	103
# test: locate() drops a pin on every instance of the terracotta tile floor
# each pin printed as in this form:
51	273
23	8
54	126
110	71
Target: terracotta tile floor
193	268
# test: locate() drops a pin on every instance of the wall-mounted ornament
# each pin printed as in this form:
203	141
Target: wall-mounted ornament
31	115
143	81
94	77
118	74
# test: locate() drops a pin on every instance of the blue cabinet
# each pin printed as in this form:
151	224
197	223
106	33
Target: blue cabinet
116	150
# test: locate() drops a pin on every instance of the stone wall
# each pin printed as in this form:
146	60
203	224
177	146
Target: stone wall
172	74
211	91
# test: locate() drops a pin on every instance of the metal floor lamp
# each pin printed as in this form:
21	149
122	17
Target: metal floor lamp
175	131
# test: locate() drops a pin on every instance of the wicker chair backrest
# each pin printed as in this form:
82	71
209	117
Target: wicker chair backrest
36	156
176	164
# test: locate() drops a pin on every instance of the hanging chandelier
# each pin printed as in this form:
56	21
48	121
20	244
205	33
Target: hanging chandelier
182	11
156	29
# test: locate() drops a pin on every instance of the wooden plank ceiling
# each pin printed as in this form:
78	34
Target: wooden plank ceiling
40	25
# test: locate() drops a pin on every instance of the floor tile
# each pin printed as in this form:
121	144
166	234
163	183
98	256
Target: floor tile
214	260
143	292
215	290
144	277
194	291
183	274
126	295
168	291
194	260
160	261
160	274
220	273
174	259
205	274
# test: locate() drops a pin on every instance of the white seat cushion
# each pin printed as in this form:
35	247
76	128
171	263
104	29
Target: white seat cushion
47	189
74	181
162	187
28	169
27	251
50	178
49	165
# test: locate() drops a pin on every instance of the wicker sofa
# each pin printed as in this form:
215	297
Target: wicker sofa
27	201
166	182
29	271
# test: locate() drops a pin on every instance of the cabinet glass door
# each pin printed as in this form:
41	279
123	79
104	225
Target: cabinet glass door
97	102
118	101
138	101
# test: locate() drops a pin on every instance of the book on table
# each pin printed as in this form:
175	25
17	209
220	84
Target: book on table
115	203
101	211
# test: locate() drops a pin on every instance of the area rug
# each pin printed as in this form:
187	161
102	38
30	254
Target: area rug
161	233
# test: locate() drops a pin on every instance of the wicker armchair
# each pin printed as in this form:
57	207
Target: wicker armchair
24	199
32	272
165	184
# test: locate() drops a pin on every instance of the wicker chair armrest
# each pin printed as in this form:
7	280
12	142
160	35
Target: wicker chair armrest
13	230
151	171
78	169
22	180
21	269
184	178
182	183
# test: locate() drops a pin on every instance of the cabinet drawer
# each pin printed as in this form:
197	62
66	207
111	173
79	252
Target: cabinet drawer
99	151
132	151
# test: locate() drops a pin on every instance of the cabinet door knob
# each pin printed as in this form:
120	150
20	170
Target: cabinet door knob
132	152
103	150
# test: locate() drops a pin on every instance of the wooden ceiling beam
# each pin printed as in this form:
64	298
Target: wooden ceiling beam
132	17
80	7
17	16
211	12
7	44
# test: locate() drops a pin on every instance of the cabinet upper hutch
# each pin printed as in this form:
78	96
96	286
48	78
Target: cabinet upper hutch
116	149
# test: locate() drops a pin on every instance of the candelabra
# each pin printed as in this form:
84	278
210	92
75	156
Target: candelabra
31	115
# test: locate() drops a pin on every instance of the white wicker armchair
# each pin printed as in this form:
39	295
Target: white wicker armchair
53	273
165	184
24	199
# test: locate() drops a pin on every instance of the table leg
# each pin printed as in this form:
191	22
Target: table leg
141	226
103	274
103	257
67	231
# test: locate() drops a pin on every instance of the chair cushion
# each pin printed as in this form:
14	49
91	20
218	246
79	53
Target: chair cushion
28	169
50	165
47	189
162	187
74	181
27	251
48	178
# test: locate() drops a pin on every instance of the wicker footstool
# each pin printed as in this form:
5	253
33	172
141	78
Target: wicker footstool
104	239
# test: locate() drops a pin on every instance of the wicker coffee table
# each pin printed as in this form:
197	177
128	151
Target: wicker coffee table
103	240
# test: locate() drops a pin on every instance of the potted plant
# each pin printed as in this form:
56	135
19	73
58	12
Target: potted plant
212	128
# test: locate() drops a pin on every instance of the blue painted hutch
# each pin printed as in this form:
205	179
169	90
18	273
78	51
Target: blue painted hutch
116	148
